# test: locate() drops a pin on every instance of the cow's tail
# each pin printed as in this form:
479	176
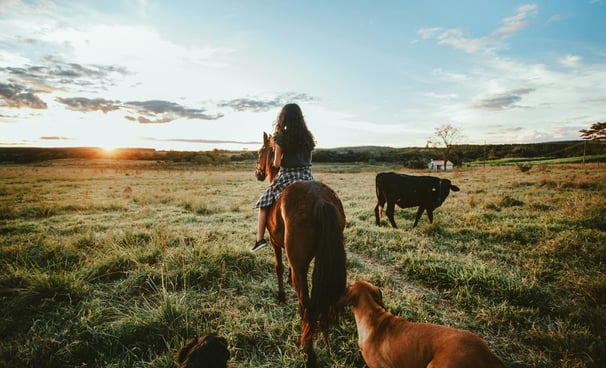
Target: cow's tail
329	276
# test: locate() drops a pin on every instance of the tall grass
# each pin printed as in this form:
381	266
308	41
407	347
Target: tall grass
93	275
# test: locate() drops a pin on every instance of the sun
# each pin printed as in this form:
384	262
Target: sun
109	146
109	150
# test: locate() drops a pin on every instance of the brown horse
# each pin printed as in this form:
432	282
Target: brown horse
307	221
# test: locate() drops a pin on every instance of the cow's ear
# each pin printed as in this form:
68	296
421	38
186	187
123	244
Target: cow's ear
454	188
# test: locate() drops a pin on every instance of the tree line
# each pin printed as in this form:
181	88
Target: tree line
459	155
410	157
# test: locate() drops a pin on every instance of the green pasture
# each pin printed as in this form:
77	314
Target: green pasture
118	264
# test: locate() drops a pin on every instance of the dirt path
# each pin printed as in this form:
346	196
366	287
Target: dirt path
447	310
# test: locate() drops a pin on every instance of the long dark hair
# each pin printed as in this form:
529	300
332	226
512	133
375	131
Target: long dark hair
292	130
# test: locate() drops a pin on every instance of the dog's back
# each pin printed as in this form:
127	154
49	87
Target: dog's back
389	341
449	347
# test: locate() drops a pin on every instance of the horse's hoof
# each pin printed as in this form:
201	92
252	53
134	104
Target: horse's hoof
281	296
311	361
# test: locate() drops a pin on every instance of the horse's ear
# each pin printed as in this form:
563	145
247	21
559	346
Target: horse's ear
265	138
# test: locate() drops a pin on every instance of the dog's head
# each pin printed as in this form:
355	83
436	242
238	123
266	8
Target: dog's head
209	351
359	291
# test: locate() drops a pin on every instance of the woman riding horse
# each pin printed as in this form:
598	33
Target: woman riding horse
293	144
306	219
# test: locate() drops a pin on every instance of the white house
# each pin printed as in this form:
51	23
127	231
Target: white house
439	165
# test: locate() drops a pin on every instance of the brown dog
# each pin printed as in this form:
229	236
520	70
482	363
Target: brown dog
208	351
388	341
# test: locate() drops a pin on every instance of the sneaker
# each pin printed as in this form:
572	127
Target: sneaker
258	245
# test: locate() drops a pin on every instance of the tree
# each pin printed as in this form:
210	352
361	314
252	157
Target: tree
597	132
447	135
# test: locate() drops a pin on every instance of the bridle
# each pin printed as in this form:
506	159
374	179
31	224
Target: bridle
261	170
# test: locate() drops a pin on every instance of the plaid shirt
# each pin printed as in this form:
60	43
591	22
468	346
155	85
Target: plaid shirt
285	177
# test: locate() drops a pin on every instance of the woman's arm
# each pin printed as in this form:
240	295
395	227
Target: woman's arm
277	155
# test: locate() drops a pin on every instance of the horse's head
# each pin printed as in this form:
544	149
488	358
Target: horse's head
265	160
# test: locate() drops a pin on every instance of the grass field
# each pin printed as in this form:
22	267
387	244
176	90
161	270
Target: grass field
95	275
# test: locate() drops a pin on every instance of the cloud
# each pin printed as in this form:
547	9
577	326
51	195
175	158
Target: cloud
200	141
571	61
159	111
149	112
502	101
554	18
247	104
260	105
454	37
56	74
19	96
55	138
515	23
86	104
500	130
449	76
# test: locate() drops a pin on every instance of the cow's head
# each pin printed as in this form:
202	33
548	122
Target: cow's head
443	190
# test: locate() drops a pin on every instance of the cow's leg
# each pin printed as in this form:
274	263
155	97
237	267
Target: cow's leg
390	211
418	216
378	213
379	208
430	215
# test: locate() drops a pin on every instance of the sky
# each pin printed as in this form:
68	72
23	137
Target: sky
200	75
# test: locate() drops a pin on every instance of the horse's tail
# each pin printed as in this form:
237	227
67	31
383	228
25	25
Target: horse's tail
329	275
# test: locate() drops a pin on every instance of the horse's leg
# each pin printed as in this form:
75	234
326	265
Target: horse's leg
290	276
308	317
279	267
311	356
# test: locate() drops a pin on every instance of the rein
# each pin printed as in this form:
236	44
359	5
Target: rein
265	161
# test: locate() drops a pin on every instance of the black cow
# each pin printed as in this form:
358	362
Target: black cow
427	192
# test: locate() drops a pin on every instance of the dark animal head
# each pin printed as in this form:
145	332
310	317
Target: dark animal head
208	351
265	160
443	190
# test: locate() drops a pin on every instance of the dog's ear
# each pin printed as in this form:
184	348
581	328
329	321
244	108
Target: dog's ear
377	296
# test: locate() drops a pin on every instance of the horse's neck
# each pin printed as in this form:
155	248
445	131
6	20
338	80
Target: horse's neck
272	174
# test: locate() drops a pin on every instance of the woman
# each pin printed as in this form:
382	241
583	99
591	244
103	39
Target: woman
293	144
